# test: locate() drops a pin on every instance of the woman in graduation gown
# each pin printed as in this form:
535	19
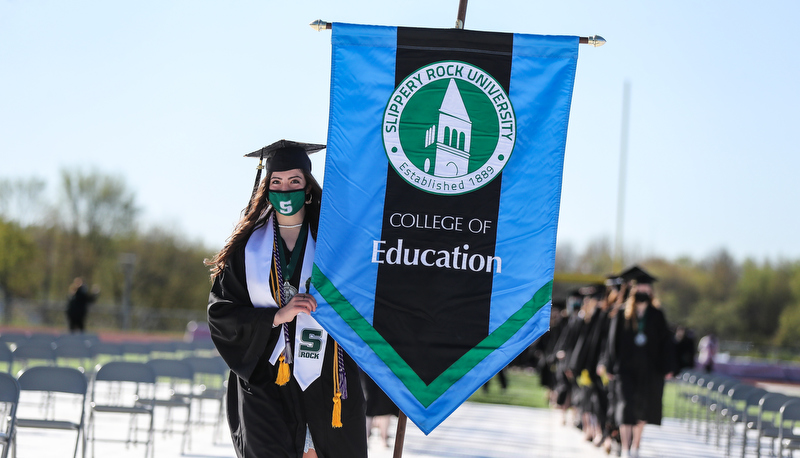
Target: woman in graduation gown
292	391
641	355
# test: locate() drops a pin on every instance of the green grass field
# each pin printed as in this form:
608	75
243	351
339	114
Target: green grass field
525	390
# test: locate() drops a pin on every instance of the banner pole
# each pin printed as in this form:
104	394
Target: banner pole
462	14
400	435
594	40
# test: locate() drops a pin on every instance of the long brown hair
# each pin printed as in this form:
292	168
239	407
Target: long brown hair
631	319
257	212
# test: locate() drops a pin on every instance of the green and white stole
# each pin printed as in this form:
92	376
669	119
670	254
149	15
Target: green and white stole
310	338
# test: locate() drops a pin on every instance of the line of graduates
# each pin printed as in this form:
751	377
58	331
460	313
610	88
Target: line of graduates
607	356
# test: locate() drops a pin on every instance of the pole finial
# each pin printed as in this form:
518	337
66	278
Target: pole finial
597	40
320	25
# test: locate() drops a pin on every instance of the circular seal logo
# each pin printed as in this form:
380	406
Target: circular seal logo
449	128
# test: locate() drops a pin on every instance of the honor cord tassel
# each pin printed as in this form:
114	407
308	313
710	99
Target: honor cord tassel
336	418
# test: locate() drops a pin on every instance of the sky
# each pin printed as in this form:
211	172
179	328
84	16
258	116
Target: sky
169	96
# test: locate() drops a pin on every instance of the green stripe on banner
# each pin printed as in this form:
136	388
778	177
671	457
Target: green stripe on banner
427	394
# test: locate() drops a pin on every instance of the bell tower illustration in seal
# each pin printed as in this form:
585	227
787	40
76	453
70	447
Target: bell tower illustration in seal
452	135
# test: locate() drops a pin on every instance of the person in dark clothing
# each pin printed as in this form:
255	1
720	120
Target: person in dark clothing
583	362
684	349
614	305
573	326
501	377
545	357
707	351
292	392
380	408
80	299
641	356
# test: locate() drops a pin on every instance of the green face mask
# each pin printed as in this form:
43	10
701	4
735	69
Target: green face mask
287	202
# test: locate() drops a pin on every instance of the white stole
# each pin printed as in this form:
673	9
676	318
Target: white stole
310	338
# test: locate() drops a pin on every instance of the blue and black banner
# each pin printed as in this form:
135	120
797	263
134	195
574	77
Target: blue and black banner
436	246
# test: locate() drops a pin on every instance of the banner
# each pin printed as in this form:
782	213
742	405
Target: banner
436	245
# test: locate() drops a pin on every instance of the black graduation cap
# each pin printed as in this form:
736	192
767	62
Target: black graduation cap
594	290
283	155
286	155
636	273
576	292
613	281
574	299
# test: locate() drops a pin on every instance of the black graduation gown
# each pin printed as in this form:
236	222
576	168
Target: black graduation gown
268	420
543	349
566	343
640	370
378	403
597	344
582	359
684	353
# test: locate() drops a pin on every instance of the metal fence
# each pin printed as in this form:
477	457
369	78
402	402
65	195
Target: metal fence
105	315
736	348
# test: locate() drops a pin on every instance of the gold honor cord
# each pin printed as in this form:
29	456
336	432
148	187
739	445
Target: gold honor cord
336	419
276	285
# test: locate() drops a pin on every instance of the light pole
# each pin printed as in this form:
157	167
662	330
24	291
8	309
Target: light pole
623	165
127	262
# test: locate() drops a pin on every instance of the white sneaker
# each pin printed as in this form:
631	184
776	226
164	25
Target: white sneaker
634	453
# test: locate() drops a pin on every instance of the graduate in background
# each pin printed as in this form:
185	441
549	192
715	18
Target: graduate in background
292	392
641	355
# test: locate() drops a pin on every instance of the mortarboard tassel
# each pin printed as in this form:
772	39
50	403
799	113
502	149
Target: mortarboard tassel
336	420
258	180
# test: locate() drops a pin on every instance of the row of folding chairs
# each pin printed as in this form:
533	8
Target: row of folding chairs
15	337
132	388
733	412
82	351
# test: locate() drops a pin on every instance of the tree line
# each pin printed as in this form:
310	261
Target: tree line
91	228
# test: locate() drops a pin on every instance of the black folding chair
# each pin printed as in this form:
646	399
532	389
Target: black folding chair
174	390
103	352
790	420
731	411
7	356
210	380
50	381
769	408
163	349
35	353
69	352
118	388
136	351
717	398
9	399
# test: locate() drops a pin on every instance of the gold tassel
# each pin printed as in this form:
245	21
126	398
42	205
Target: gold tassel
336	420
283	372
584	379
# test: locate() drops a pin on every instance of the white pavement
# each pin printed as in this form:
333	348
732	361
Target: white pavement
495	431
473	431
